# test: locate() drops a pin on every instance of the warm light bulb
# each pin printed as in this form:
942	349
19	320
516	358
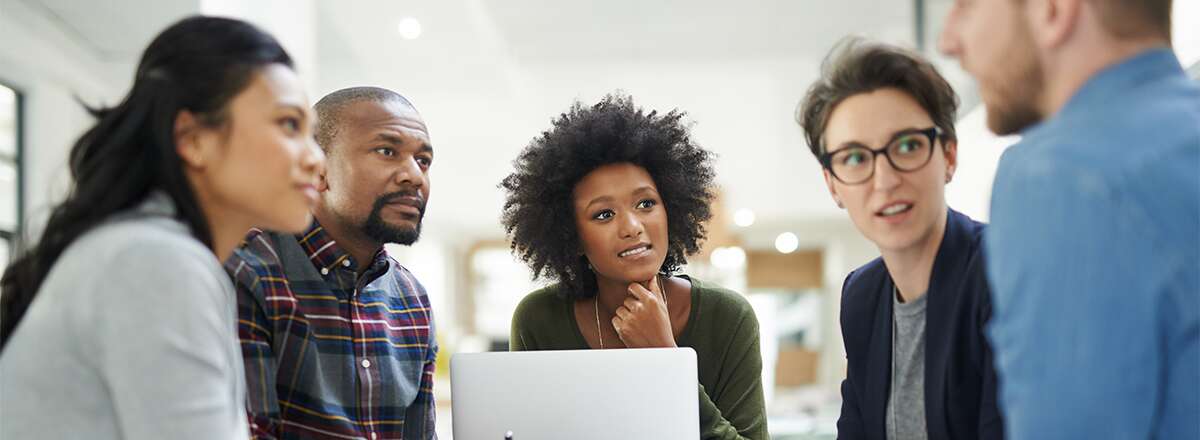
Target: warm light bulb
409	28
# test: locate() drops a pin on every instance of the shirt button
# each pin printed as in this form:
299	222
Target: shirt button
366	363
346	263
324	271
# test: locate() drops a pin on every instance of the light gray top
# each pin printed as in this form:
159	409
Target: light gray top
906	404
131	336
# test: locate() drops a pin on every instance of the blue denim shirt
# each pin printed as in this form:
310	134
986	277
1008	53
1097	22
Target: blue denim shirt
1094	259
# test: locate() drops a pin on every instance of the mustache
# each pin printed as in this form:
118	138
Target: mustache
393	197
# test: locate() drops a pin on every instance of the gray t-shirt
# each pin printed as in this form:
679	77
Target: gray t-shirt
906	404
132	336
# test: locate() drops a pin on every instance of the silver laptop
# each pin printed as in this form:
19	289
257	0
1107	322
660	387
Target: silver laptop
576	394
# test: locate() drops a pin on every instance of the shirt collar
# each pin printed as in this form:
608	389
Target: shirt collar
325	253
1121	78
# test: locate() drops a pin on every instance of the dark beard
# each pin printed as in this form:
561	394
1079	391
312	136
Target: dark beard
377	229
1017	109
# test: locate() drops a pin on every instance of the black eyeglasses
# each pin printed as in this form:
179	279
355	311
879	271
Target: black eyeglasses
908	151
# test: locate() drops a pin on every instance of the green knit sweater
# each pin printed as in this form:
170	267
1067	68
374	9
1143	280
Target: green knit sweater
721	328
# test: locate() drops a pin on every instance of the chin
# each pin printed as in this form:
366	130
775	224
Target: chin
642	274
296	223
894	241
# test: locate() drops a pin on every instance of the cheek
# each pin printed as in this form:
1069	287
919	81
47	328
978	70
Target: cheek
657	222
254	162
929	186
586	233
997	51
345	185
854	198
591	240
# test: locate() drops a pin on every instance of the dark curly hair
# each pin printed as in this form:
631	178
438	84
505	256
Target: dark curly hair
539	213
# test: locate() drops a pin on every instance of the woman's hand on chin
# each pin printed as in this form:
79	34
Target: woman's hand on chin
643	321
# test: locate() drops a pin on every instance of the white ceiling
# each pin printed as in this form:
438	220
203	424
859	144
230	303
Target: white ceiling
690	29
116	30
113	32
489	75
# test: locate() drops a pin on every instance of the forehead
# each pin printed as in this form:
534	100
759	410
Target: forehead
872	118
271	85
613	180
364	120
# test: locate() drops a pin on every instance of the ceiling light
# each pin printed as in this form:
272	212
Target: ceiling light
732	257
409	28
743	217
787	243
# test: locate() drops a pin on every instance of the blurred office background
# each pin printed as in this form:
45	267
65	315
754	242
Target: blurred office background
488	75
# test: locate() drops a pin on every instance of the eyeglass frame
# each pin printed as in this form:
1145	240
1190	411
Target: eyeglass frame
934	134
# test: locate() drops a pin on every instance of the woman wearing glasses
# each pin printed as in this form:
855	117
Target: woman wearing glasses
881	122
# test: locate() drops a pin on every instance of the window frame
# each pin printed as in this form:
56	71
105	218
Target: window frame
12	236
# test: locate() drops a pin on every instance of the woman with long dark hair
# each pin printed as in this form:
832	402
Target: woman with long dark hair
120	322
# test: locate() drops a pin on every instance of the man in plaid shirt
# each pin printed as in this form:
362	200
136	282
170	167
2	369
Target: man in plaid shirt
337	336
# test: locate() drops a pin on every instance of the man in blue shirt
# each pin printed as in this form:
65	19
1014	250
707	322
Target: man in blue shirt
1094	248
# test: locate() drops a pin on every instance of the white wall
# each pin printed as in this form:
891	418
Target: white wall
50	70
1186	31
292	22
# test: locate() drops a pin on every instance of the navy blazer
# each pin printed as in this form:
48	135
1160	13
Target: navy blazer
960	381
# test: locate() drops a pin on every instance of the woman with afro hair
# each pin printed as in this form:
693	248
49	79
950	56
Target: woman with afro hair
609	203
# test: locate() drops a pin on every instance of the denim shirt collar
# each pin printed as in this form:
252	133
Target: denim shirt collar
1112	82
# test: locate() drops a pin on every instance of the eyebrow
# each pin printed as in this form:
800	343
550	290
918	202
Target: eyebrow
397	140
895	135
639	190
288	106
309	118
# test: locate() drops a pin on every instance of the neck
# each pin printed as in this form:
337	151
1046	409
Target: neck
1074	66
226	226
912	267
610	294
348	237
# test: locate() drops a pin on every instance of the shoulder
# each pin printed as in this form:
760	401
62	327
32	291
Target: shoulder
540	316
149	261
719	304
405	277
256	257
968	228
965	238
862	285
259	248
541	303
147	243
721	297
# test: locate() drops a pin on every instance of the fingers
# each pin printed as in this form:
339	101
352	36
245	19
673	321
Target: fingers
641	293
625	339
619	324
655	287
633	304
624	313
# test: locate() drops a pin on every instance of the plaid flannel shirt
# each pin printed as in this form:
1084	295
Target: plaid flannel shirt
328	353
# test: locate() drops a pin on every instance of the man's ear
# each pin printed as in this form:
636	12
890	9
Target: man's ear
322	181
1051	22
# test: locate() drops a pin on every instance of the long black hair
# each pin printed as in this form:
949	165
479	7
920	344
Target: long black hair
197	64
